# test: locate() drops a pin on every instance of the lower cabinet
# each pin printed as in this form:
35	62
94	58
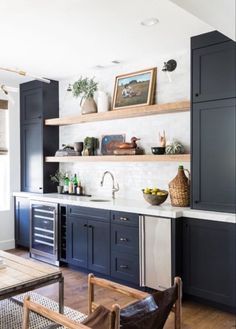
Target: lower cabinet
209	260
125	246
22	221
88	239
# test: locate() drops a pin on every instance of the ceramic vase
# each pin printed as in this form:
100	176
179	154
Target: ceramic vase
102	101
89	106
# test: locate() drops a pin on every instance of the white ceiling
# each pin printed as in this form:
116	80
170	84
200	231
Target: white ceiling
218	13
59	38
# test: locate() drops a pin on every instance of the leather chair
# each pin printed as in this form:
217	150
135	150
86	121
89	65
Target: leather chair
149	311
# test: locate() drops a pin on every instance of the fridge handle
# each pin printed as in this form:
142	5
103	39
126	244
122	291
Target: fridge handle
142	251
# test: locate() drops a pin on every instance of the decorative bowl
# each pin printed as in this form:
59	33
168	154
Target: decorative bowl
158	150
155	200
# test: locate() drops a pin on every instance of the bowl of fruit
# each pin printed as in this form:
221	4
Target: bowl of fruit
155	196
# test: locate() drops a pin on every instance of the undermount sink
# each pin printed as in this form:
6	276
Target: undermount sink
99	200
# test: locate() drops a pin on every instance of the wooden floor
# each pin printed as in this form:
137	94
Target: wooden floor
195	316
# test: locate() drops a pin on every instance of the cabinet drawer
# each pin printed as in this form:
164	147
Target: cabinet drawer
125	267
125	218
125	239
93	213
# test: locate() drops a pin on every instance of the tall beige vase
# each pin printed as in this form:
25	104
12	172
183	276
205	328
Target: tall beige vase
89	106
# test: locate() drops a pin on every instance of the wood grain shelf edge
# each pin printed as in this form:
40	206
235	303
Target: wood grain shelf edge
140	111
121	158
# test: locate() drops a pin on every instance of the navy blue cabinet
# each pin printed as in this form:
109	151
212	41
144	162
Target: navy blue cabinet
77	240
213	72
213	121
88	239
22	222
38	101
209	261
213	155
125	246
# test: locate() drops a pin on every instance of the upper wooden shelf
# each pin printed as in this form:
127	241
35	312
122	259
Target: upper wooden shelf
140	111
123	158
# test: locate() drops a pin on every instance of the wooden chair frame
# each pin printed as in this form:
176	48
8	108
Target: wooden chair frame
133	293
115	311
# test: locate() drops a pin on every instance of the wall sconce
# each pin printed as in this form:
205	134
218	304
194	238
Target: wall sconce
168	67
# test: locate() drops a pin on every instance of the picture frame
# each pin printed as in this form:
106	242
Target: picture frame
134	89
110	142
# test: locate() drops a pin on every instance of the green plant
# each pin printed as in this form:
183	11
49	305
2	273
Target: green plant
58	177
84	87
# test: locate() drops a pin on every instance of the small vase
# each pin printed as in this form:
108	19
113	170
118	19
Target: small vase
102	102
89	106
59	189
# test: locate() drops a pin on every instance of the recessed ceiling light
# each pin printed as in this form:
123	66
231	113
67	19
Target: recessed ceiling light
99	66
115	61
149	21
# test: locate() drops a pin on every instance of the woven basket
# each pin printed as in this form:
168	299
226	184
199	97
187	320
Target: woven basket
179	189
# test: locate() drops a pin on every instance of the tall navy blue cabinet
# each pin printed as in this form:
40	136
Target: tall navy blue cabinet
213	121
38	101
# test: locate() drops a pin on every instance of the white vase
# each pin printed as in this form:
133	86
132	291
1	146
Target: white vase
102	101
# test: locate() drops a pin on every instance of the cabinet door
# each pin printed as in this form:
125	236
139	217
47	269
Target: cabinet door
213	155
99	246
213	72
31	102
22	222
76	242
31	158
209	260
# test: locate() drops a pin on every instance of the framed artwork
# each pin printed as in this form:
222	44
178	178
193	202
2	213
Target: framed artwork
134	89
110	142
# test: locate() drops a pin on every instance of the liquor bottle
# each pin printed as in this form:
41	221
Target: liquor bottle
66	184
71	186
75	181
79	188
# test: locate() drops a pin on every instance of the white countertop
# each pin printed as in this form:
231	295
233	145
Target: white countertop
134	206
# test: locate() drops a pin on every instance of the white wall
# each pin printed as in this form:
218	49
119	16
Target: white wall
7	217
132	177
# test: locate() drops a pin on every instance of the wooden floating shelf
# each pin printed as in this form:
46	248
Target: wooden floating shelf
122	158
139	111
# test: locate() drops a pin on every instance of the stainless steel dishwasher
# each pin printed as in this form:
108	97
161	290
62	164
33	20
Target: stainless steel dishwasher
44	231
155	252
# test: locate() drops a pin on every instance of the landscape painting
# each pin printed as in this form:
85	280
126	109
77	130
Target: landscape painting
134	89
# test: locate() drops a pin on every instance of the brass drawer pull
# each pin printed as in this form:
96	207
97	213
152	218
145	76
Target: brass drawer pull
124	266
124	219
123	239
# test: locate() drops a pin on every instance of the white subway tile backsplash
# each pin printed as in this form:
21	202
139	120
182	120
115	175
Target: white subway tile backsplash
132	177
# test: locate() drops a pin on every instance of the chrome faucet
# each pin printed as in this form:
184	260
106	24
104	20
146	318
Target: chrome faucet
114	189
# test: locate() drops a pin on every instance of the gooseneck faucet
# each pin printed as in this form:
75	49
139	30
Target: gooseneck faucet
114	188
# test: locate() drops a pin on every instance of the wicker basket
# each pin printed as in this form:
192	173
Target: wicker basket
179	189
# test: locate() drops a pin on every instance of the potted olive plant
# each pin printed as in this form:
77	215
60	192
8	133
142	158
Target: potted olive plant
85	88
58	178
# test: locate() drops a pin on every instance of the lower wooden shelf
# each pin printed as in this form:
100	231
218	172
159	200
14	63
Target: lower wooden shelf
121	158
